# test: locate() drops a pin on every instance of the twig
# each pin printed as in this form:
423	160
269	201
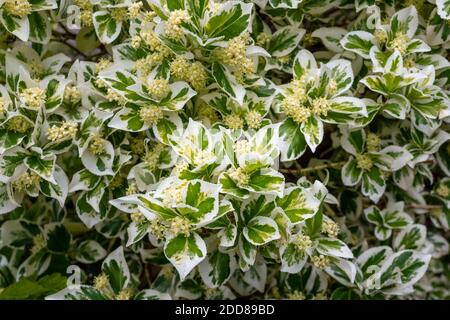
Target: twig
424	206
330	210
315	168
72	47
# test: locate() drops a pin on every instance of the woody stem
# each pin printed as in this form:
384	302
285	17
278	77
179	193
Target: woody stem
315	168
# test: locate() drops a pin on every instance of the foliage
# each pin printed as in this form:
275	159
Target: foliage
200	149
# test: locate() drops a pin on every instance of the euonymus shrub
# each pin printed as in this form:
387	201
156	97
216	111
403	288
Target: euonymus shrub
276	149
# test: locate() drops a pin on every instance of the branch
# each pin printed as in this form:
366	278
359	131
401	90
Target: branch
316	168
424	206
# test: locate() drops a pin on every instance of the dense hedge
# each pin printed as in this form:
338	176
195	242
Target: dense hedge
277	149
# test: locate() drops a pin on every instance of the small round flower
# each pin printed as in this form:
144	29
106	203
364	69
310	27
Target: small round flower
101	282
321	106
3	106
443	190
100	83
380	35
26	180
157	229
239	176
148	16
235	56
409	62
17	8
113	96
36	68
242	147
297	90
294	110
173	25
151	114
96	145
151	158
296	295
174	194
233	121
136	42
320	296
331	228
131	189
137	145
179	67
373	142
263	38
159	88
72	94
253	119
284	59
102	64
125	294
152	40
86	18
83	4
137	217
320	261
39	243
180	225
180	166
67	130
135	9
197	76
33	97
202	157
400	42
145	65
119	14
303	242
332	87
364	162
18	124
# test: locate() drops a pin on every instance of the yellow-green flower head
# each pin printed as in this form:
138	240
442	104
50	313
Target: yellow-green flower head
443	190
26	180
180	225
331	228
18	124
72	94
303	242
159	88
102	64
151	114
17	8
320	261
233	121
373	142
239	176
173	25
253	119
96	145
101	282
67	130
33	97
400	42
364	162
157	229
